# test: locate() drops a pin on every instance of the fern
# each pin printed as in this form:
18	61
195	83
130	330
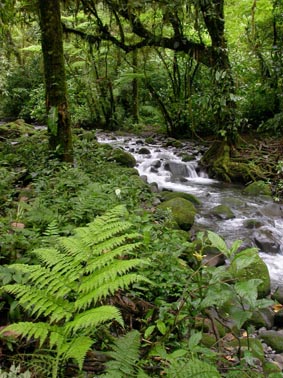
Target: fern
193	368
124	357
67	287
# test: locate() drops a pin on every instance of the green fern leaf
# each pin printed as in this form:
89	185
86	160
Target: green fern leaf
107	273
194	368
77	349
92	318
29	330
104	259
124	356
40	303
108	288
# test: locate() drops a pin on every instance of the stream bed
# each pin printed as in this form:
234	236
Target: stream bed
165	166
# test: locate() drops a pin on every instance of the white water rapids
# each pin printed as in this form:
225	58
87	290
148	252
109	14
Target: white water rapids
165	167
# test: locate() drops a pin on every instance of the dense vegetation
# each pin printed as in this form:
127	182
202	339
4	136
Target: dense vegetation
95	279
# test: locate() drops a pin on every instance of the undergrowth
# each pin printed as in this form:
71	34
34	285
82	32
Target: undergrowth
89	225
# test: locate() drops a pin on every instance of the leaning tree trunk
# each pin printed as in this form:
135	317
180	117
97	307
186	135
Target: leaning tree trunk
59	124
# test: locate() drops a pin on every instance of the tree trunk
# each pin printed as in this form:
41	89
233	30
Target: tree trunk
59	124
135	88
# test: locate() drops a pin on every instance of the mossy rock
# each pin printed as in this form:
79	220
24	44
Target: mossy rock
172	142
187	157
149	140
217	159
252	223
257	270
222	212
121	157
16	129
165	196
258	187
183	212
274	339
271	368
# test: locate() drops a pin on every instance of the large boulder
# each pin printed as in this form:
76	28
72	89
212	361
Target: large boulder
183	212
273	338
222	212
257	270
267	241
258	187
121	157
165	196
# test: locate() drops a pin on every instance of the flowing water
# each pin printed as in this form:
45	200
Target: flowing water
164	167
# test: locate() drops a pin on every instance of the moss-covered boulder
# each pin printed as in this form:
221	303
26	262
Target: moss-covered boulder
274	339
16	129
218	160
121	157
183	212
257	270
165	196
258	187
222	212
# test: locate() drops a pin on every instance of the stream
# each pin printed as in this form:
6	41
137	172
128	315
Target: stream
165	167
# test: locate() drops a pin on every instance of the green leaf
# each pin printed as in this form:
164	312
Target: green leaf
247	290
161	327
239	316
217	242
244	258
149	331
194	340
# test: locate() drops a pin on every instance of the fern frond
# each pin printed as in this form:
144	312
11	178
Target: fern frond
107	274
40	303
48	256
106	258
109	288
92	318
77	349
194	368
29	330
124	356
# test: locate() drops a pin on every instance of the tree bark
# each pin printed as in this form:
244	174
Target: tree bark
59	123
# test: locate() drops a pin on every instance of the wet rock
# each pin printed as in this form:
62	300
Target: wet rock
278	319
171	142
183	212
262	318
272	368
258	187
144	151
154	187
254	271
165	196
177	169
213	258
187	157
273	338
252	223
121	157
233	202
272	210
222	212
278	295
149	140
266	241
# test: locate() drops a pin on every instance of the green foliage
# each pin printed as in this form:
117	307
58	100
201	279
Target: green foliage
124	357
72	281
192	368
